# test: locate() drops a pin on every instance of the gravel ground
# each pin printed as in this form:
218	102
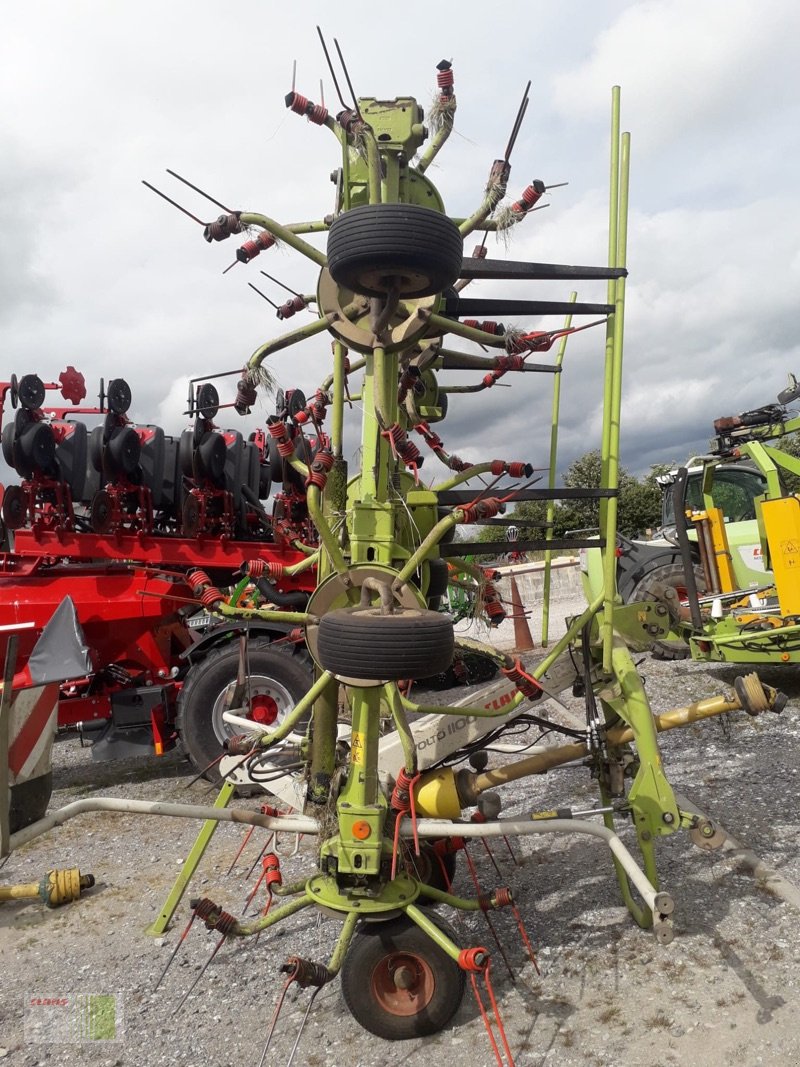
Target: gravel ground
724	992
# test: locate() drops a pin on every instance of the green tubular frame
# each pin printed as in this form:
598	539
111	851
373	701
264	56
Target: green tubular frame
385	525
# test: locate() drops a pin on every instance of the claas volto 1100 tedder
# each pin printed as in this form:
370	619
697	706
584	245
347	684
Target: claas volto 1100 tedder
391	809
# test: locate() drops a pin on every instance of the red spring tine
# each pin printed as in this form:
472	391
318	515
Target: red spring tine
497	1016
217	947
275	1015
485	1018
524	934
174	952
261	853
242	847
290	1061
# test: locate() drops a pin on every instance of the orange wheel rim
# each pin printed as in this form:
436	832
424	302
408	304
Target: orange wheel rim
403	984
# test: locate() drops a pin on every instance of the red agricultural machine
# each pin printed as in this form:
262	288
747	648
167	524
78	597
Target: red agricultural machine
134	524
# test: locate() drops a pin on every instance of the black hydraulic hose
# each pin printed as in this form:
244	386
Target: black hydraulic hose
298	598
681	530
256	505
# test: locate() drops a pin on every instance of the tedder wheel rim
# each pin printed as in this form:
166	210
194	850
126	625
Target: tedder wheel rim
270	702
403	984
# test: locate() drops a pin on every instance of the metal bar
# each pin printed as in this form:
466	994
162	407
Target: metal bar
286	824
679	505
9	669
518	271
466	496
287	339
490	548
548	555
608	370
475	307
283	233
659	903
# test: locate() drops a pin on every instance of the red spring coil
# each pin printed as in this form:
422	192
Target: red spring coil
527	685
197	579
317	476
239	744
473	959
401	794
318	114
257	568
297	103
497	329
306	972
245	396
225	923
291	307
272	869
431	439
496	612
490	379
250	249
222	227
409	452
529	196
518	470
210	596
277	429
503	897
286	448
445	80
498	467
325	460
203	908
267	809
446	845
483	509
484	901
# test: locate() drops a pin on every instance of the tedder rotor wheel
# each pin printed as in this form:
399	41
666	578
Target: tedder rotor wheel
363	643
398	983
651	586
279	677
375	248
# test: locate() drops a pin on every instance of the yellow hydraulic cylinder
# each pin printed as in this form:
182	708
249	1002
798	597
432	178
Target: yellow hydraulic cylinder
782	526
715	550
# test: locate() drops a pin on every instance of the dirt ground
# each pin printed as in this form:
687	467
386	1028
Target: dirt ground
726	991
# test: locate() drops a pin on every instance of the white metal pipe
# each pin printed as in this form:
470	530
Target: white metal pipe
657	902
294	824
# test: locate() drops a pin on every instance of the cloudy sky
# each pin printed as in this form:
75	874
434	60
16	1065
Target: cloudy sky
97	272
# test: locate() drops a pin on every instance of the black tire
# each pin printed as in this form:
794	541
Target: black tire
28	801
375	247
363	643
376	955
438	577
279	673
673	576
